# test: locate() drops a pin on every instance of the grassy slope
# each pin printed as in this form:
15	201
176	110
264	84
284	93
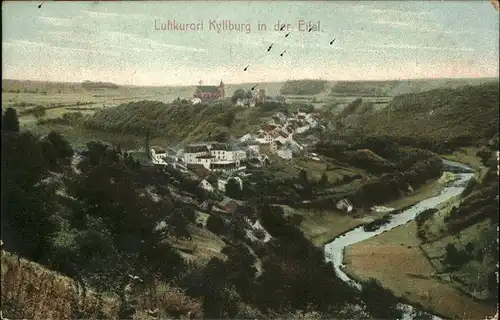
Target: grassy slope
440	114
30	290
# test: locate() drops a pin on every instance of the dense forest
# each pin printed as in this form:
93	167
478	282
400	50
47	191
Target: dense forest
454	116
181	121
393	88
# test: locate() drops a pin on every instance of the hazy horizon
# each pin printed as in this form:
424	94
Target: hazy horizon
252	83
375	41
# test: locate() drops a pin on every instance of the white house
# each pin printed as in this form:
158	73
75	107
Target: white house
195	100
263	137
206	185
158	155
311	120
284	153
194	151
218	156
271	122
246	137
245	102
253	148
345	205
275	146
302	129
221	185
280	116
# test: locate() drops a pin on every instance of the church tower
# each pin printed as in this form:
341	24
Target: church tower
222	90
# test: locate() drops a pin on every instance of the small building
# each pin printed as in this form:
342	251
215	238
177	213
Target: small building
246	137
195	100
206	185
263	137
280	117
246	102
254	149
221	185
344	205
284	153
275	146
311	120
302	129
158	155
228	205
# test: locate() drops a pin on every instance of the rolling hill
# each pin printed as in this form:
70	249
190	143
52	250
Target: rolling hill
470	112
393	88
178	122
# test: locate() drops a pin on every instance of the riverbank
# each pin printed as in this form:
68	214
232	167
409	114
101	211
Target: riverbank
395	259
323	227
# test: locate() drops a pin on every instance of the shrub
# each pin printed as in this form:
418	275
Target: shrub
216	224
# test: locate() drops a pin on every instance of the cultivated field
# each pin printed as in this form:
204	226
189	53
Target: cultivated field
395	259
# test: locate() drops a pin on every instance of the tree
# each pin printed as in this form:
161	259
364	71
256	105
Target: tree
324	180
380	302
233	188
215	224
303	177
238	94
455	257
62	148
146	143
469	247
39	112
26	203
10	122
229	118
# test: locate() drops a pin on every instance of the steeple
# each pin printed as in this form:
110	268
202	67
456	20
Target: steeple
221	83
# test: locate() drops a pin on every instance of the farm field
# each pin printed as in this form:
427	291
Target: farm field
395	259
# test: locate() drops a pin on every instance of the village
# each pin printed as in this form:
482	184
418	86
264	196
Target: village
252	150
213	164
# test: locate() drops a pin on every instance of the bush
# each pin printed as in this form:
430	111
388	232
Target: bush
424	216
454	257
216	224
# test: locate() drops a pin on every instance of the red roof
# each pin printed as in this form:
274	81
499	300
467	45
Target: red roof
268	127
231	206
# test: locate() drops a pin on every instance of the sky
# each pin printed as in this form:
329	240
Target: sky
120	42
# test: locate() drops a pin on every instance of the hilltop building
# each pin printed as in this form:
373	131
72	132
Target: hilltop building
205	93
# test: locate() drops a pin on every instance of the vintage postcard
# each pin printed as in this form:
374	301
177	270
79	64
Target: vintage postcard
250	159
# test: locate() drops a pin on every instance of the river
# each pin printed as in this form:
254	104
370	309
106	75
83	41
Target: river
334	251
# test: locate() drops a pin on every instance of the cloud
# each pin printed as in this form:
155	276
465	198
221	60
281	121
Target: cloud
26	44
405	24
100	14
152	44
112	41
417	47
56	21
